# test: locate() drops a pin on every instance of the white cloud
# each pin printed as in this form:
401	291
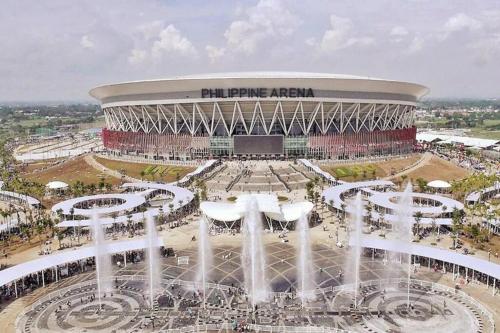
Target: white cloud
151	29
460	22
86	43
398	33
214	53
269	19
486	49
137	56
171	41
416	45
339	36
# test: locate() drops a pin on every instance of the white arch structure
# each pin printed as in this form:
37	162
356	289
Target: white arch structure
480	265
181	198
14	273
435	208
227	214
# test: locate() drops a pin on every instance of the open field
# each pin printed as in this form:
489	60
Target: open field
438	168
484	133
165	173
367	171
70	172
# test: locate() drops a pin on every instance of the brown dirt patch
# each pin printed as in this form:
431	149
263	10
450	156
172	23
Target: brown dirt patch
166	173
70	172
437	168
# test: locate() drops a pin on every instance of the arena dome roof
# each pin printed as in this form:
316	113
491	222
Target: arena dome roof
186	85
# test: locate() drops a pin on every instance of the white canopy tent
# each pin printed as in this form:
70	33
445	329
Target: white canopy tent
50	261
56	185
479	265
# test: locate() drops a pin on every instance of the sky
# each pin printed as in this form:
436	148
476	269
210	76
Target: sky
60	49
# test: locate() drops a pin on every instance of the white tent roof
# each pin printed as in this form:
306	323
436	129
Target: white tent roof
29	267
292	211
439	184
267	204
179	194
221	211
469	261
466	141
56	185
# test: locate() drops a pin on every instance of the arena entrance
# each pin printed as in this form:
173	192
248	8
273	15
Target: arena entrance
259	145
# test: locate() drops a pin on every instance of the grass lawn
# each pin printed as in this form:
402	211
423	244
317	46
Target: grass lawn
358	172
154	172
70	172
484	133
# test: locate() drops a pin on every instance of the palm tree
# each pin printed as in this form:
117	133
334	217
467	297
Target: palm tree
433	226
114	215
418	218
39	230
342	207
60	237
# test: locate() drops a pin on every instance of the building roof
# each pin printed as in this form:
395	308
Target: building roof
439	184
267	204
56	185
466	141
477	264
135	91
45	262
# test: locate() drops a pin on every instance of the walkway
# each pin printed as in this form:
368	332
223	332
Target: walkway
426	157
113	173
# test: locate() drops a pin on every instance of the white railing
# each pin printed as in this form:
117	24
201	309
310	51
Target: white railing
141	159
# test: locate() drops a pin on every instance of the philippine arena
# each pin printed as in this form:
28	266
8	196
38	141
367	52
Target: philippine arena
260	114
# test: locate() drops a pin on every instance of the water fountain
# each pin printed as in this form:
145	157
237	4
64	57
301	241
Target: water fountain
403	229
205	258
152	259
253	257
102	259
354	254
305	272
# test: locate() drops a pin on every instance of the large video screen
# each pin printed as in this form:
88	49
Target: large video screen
258	144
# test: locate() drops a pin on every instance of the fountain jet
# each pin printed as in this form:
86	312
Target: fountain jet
306	283
253	257
102	259
152	260
205	259
404	231
354	254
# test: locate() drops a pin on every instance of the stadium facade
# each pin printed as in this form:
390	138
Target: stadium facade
260	113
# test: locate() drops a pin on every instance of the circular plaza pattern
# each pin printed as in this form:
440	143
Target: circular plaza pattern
382	303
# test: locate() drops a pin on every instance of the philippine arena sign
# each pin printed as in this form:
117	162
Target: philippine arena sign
256	92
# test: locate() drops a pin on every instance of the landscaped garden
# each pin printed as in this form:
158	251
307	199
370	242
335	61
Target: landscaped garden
152	172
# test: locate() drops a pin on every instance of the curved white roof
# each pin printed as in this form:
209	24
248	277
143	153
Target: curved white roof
292	211
45	262
55	185
129	202
272	74
477	264
439	184
179	194
267	204
190	85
